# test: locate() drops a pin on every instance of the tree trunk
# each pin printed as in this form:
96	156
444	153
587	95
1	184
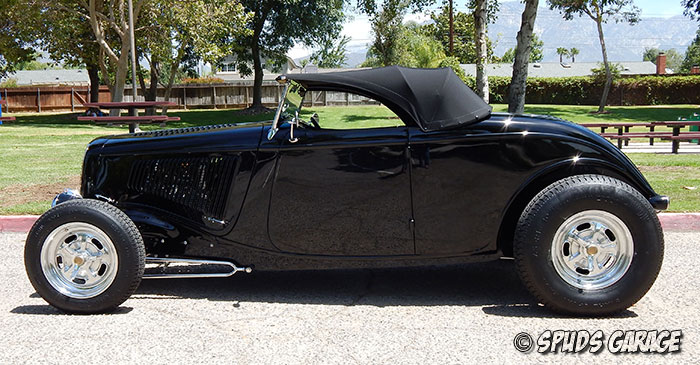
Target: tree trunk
608	73
94	74
482	80
257	69
120	79
171	80
518	84
155	79
121	74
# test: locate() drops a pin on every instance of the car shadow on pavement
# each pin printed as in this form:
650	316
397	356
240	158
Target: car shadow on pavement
494	286
46	309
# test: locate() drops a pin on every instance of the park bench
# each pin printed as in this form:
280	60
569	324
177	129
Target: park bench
4	119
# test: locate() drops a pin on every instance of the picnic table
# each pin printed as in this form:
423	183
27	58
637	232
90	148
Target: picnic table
623	135
676	126
132	119
622	128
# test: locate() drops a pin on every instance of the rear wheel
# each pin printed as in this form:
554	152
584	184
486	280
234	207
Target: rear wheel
84	256
588	245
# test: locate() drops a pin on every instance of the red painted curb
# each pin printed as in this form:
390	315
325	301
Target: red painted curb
17	223
680	222
671	222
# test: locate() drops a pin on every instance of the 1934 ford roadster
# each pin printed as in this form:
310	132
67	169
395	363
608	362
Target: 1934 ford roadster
453	183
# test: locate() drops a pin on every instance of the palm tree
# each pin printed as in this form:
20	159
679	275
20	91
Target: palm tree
561	51
573	53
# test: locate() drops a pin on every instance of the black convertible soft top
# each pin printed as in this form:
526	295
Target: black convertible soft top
432	99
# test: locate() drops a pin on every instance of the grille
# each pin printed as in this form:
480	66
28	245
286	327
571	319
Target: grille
201	183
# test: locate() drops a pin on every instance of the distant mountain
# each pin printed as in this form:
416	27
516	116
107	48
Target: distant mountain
356	53
624	42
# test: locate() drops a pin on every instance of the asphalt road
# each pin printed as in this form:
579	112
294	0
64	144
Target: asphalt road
464	314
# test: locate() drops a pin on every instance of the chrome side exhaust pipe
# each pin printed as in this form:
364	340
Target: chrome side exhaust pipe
182	265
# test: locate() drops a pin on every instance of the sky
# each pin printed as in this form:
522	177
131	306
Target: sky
358	27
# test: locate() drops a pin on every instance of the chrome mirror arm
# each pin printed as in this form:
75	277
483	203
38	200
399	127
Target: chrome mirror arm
295	122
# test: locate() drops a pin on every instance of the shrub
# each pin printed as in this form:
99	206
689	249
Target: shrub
634	90
203	80
9	83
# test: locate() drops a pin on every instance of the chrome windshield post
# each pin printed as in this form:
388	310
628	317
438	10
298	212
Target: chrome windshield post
275	122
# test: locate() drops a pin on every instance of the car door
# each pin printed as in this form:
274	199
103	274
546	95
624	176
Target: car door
342	193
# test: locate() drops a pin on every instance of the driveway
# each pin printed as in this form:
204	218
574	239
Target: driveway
457	314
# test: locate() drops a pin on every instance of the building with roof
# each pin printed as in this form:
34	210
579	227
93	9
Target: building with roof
77	77
555	69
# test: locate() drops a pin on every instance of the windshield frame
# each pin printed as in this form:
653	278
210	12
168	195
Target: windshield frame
289	85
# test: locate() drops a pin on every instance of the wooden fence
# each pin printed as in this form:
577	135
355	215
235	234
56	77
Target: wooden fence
40	99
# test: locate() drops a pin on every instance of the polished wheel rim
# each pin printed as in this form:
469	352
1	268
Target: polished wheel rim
592	250
79	260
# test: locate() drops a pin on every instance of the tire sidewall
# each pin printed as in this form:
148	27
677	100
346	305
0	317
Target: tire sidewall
636	213
126	249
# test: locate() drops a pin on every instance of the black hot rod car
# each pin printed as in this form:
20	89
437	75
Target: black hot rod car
453	183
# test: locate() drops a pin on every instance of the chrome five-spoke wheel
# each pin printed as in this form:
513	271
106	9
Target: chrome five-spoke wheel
592	250
79	260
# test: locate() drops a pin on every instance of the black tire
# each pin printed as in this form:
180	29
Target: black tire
125	240
551	208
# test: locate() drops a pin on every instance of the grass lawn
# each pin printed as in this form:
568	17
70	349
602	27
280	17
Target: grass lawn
42	153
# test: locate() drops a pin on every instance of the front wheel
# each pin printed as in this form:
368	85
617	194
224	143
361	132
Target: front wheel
84	256
588	245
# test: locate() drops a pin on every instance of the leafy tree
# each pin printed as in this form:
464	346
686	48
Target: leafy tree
536	46
561	51
692	55
56	27
417	49
411	46
387	28
523	53
176	31
18	41
600	11
600	74
674	60
464	33
68	38
536	53
331	53
692	8
275	26
453	63
573	52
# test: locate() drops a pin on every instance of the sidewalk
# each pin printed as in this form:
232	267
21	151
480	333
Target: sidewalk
671	222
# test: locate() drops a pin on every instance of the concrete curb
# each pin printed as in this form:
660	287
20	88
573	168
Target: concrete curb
671	222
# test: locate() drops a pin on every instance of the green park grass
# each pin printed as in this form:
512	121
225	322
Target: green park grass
42	153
